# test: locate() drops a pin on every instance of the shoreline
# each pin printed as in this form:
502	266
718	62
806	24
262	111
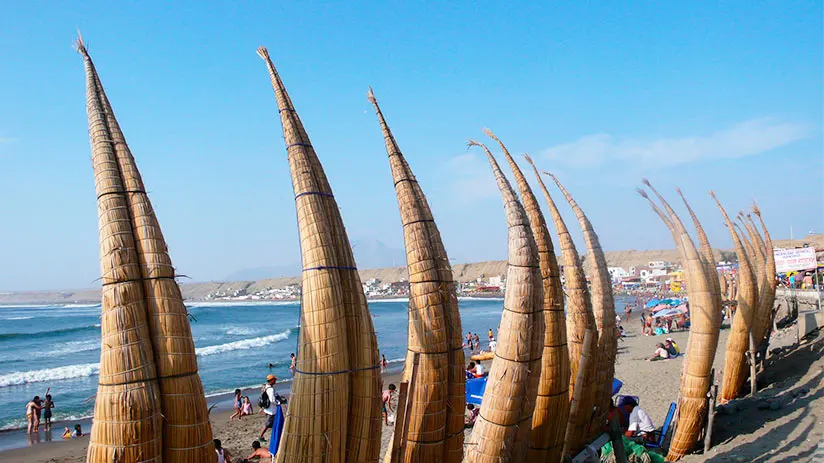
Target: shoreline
220	408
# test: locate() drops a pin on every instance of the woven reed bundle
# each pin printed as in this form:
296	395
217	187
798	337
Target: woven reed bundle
127	420
552	401
766	297
603	308
720	280
187	433
579	319
502	429
334	414
436	420
703	340
738	341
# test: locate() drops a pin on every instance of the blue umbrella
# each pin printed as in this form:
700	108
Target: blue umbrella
277	431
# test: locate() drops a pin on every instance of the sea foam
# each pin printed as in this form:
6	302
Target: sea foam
243	344
49	374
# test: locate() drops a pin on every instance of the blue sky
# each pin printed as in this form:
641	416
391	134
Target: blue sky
688	94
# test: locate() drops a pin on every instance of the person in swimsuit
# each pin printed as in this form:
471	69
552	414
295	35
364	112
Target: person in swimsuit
238	406
33	415
47	411
294	365
261	454
247	406
383	362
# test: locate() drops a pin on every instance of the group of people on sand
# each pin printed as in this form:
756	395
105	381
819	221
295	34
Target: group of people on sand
473	341
665	350
37	408
653	326
267	404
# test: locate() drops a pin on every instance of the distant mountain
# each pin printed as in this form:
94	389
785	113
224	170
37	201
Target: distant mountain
262	273
371	253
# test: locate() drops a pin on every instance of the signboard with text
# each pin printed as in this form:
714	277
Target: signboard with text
788	260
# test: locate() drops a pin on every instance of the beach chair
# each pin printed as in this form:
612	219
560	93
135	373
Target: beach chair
659	443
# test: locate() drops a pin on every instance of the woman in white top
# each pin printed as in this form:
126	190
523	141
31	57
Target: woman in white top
660	353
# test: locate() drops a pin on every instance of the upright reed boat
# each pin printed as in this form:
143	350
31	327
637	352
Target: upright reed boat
502	429
766	298
552	403
579	321
334	413
128	425
705	312
603	308
436	420
738	341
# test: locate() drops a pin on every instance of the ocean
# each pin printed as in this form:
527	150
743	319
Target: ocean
58	347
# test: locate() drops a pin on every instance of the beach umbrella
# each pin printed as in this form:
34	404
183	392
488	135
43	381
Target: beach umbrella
766	297
436	417
579	321
603	308
738	341
705	309
127	415
334	413
552	400
502	430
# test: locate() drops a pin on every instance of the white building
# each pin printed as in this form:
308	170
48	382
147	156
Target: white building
617	273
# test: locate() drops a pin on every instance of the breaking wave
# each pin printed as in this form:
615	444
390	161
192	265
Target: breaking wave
243	344
49	374
50	333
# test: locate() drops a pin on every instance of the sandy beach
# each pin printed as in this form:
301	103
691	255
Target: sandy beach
748	429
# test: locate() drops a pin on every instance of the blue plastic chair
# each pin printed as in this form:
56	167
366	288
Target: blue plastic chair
659	444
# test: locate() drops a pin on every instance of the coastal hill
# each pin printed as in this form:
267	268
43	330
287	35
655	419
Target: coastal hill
462	273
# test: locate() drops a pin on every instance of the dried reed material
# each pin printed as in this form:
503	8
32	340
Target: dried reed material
552	402
502	429
766	297
720	280
334	414
579	319
127	418
603	308
738	341
436	422
187	433
587	359
703	340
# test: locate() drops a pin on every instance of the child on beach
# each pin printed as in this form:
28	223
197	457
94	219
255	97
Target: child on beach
470	416
238	406
258	453
33	415
47	410
78	431
67	433
247	406
223	455
386	399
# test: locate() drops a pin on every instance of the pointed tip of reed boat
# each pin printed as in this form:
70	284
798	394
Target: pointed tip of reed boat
263	52
528	158
755	209
370	95
470	143
642	192
490	134
79	45
646	182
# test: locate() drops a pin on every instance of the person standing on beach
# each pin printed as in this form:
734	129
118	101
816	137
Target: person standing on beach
294	364
47	410
477	340
469	340
238	406
386	399
491	335
33	415
268	403
383	363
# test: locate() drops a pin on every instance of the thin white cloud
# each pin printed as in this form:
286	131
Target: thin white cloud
747	138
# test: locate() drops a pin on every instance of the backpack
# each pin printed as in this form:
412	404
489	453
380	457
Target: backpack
263	401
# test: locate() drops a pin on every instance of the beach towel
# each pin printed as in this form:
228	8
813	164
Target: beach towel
277	431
